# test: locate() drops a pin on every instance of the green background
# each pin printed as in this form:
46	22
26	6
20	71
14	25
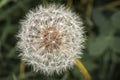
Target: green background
102	25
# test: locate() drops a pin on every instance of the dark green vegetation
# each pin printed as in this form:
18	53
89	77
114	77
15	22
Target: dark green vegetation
101	56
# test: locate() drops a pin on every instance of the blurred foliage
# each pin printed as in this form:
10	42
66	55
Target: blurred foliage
101	56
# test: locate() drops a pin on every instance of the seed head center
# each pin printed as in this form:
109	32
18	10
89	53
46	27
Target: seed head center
52	38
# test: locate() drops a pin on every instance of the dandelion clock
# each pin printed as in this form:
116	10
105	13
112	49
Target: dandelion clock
51	39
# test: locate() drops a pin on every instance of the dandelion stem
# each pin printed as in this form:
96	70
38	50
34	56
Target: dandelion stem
83	70
22	69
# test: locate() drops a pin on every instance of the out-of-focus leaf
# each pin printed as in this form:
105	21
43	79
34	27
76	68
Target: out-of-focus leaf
102	22
115	44
12	53
45	2
76	72
4	35
12	28
98	46
6	13
115	58
90	65
14	77
65	76
116	20
88	62
3	3
7	30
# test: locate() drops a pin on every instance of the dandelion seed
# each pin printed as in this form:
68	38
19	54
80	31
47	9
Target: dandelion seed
51	38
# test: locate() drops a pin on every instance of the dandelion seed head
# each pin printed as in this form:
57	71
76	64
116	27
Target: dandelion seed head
51	38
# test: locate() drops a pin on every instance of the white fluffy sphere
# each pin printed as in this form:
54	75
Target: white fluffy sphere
51	38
